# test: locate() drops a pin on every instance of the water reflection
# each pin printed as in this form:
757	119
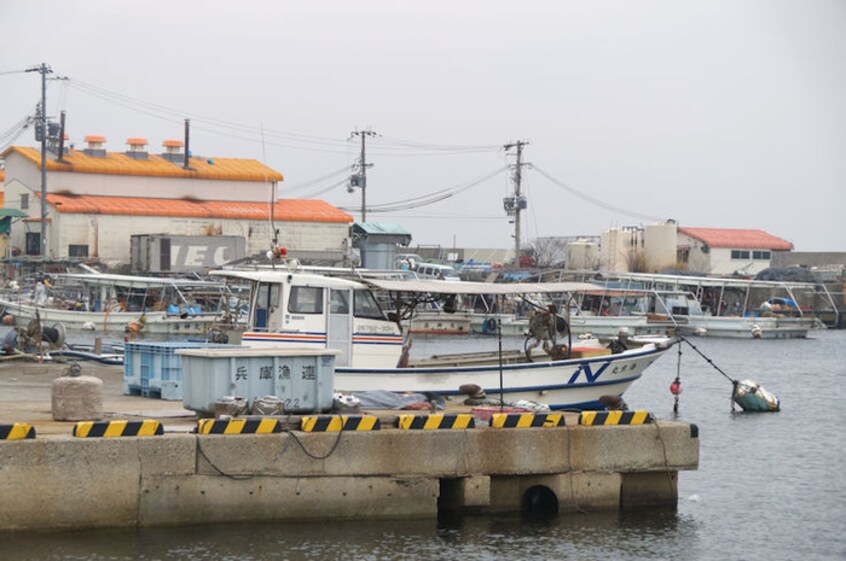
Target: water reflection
620	535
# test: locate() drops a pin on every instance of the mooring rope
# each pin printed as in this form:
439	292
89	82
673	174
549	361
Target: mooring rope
708	360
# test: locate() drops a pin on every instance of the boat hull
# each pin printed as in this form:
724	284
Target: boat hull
600	326
112	322
566	384
746	328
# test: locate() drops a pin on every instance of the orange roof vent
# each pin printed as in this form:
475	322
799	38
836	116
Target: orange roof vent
137	147
136	142
173	146
96	146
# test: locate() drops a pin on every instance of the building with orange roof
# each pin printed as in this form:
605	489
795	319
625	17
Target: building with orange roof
711	251
97	200
727	251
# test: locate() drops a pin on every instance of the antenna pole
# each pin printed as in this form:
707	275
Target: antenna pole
362	169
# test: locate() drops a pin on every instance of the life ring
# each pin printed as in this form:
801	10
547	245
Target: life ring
489	325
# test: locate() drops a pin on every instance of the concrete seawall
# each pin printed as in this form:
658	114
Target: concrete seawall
65	482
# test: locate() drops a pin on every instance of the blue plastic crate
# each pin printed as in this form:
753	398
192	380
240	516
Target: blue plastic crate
146	365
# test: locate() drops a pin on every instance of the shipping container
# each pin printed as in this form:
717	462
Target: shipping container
163	253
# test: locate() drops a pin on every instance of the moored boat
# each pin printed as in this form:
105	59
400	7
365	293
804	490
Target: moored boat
296	310
118	303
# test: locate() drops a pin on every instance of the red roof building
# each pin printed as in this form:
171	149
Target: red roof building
728	251
737	238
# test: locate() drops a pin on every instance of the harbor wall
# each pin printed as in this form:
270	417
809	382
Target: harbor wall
175	479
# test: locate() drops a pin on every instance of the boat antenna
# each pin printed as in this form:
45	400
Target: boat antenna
273	254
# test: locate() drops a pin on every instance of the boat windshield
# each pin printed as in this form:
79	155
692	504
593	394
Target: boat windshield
365	305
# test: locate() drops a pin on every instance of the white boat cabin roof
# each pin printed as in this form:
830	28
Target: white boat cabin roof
462	287
137	281
279	275
410	285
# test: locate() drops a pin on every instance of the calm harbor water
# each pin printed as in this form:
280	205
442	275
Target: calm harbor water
769	486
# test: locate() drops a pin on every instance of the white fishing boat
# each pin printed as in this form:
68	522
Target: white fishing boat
603	313
291	309
118	303
691	319
735	308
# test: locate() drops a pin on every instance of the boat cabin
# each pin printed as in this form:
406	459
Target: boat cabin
297	310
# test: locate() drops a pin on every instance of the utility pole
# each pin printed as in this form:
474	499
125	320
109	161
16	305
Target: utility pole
41	133
517	202
360	180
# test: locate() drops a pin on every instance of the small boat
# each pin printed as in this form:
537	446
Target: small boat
119	303
292	309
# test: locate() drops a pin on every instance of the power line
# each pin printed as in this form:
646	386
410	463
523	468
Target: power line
431	198
325	189
595	201
311	142
311	182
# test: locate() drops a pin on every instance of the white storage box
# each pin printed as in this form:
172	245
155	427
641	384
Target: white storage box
303	379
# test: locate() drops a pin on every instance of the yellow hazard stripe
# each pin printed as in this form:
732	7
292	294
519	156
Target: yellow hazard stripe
608	418
335	423
526	420
16	431
435	422
238	426
109	429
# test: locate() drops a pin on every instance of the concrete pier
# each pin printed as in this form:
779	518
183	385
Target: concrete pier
64	482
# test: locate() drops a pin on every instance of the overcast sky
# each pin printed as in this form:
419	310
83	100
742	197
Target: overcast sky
727	114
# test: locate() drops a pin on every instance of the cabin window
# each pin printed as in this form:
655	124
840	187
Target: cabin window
305	300
764	255
339	302
24	201
267	300
365	306
77	250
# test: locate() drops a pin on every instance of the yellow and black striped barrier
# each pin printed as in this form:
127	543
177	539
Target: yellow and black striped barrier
607	418
238	426
16	431
107	429
526	420
335	423
435	422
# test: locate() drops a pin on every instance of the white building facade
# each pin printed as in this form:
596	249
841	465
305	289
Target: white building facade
96	200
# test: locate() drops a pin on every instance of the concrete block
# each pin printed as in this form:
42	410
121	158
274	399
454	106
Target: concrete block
207	499
174	454
525	451
591	492
68	483
659	446
649	489
465	493
77	398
